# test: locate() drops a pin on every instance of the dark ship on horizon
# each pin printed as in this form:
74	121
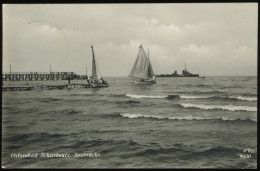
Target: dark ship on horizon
185	73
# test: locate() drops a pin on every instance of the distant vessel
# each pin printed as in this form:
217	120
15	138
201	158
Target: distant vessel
185	73
142	69
94	81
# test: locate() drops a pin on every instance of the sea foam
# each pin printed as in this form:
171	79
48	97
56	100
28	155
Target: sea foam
194	97
244	98
224	107
135	96
144	96
162	97
189	118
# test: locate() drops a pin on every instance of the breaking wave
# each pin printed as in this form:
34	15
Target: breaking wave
244	98
194	97
163	97
145	96
134	96
138	115
225	107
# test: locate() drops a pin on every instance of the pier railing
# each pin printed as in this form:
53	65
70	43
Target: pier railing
34	76
36	72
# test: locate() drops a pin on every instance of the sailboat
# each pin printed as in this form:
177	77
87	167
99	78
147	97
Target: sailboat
94	80
142	69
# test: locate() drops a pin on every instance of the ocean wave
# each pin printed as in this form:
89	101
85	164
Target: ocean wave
176	96
203	151
33	137
82	94
71	112
194	97
249	94
248	151
209	92
218	97
128	102
195	85
225	107
145	96
163	97
189	118
154	152
117	95
14	147
173	96
110	144
50	99
209	151
108	115
233	98
58	113
138	115
244	98
196	92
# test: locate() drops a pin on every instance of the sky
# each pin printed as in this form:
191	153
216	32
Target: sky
212	39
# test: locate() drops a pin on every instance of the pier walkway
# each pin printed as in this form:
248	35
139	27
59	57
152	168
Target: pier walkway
48	87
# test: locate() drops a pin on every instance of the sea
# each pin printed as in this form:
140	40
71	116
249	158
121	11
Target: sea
206	122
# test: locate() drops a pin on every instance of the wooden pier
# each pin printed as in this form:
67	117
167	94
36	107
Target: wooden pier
37	76
51	87
81	85
17	88
48	87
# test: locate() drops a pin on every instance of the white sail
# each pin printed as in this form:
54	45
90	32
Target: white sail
142	67
96	82
150	70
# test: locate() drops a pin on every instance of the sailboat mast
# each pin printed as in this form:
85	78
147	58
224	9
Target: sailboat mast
92	51
94	69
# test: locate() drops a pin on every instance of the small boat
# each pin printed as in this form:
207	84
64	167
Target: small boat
96	82
142	69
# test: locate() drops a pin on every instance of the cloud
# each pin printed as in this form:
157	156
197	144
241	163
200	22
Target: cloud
207	37
203	50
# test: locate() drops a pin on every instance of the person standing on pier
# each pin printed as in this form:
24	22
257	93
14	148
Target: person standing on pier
88	80
69	80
